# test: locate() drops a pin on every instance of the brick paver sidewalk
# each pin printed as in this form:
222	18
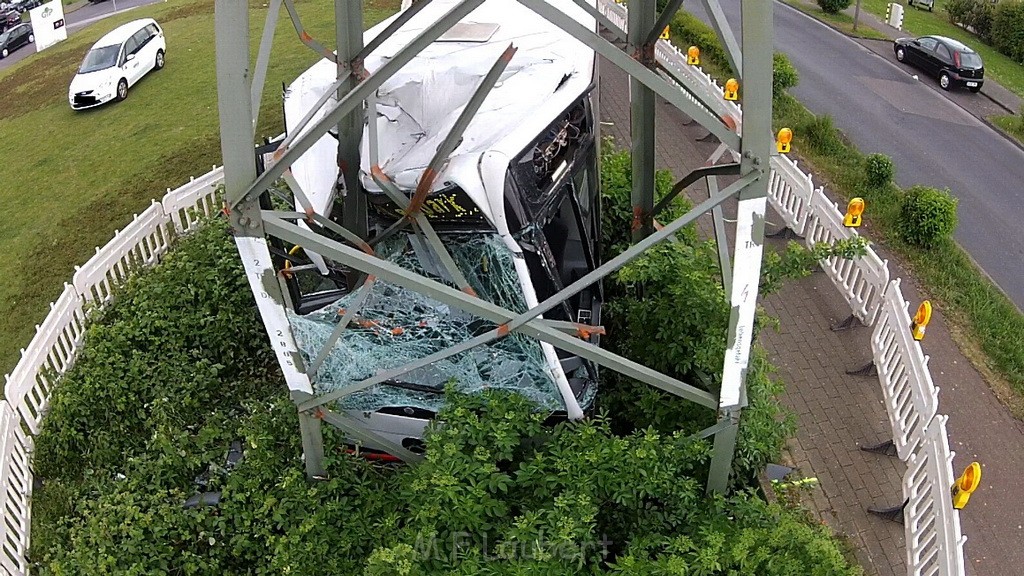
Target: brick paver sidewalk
838	413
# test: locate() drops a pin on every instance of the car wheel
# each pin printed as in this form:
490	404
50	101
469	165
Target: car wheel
159	60
4	53
122	89
944	81
31	38
901	54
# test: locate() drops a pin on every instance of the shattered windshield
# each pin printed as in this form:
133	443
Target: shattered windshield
395	326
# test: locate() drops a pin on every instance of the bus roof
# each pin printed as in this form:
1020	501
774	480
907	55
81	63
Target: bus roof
417	107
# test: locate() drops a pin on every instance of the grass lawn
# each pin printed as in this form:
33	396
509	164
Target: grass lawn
70	179
841	21
1012	125
919	22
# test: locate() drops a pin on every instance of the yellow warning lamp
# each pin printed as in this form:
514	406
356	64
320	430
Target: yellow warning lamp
664	34
921	319
783	139
693	56
966	484
853	211
732	88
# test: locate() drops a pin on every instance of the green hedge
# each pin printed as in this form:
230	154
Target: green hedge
686	30
834	6
977	14
178	368
1008	29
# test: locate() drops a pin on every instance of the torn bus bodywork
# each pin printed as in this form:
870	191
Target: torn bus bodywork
515	206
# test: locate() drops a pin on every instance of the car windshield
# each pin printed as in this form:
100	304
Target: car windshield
970	60
99	58
5	36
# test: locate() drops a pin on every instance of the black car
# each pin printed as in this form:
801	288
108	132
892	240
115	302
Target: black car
952	62
15	38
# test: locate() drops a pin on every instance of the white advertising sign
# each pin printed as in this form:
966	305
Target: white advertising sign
48	24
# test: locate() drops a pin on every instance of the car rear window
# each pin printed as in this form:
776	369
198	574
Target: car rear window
99	58
970	60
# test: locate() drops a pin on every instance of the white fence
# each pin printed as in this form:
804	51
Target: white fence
57	340
934	541
933	537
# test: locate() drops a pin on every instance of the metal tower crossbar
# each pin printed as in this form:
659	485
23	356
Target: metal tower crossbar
239	101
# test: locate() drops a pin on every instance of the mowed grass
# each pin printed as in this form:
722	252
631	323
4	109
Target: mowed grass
841	21
69	179
1011	124
919	22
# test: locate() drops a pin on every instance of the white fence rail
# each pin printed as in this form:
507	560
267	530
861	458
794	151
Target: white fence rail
911	399
862	281
790	192
934	540
57	340
142	242
935	546
50	353
188	204
15	492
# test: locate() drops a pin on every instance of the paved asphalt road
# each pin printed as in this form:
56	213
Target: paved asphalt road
881	108
76	20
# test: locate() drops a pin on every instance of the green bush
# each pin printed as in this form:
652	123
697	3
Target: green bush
616	207
183	339
879	170
833	6
822	136
784	75
956	10
143	421
927	216
687	31
976	14
1008	29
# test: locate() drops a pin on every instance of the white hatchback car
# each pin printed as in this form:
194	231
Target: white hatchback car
116	62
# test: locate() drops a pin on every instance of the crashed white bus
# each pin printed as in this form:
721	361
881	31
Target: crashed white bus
516	205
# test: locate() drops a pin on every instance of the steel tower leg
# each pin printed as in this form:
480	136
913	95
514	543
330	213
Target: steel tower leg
349	27
642	16
234	97
756	149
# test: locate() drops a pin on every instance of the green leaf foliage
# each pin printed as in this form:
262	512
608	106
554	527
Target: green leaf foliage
1007	31
183	340
617	208
833	6
178	368
784	74
879	170
927	216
